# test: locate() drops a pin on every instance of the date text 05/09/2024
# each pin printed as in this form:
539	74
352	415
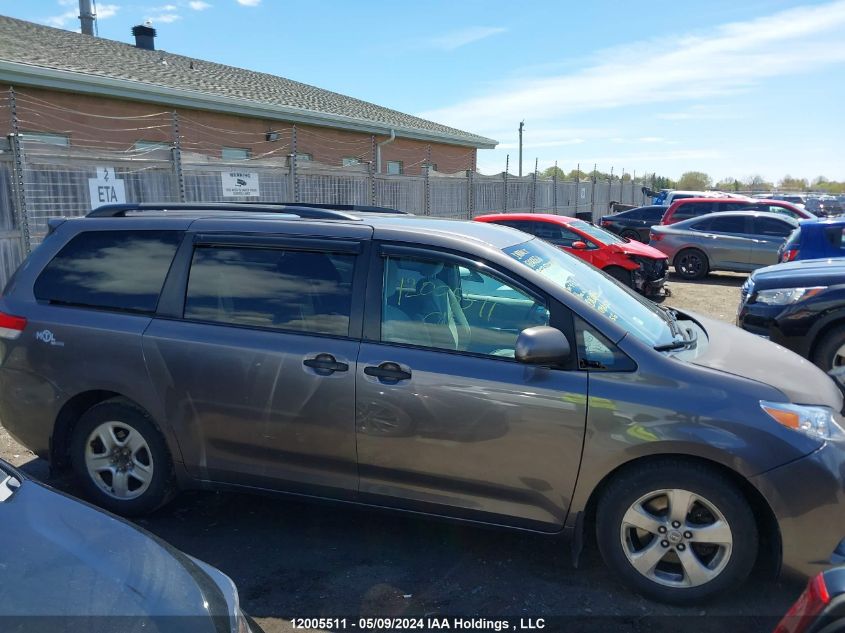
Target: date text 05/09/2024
431	623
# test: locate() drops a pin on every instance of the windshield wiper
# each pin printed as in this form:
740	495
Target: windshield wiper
689	342
671	317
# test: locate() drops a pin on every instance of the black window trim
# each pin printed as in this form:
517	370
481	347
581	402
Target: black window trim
175	290
561	316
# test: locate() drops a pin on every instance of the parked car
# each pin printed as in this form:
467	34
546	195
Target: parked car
70	567
815	239
696	207
674	195
635	223
820	608
739	241
824	207
800	305
245	347
794	198
634	264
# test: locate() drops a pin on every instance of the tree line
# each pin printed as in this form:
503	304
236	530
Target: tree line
698	180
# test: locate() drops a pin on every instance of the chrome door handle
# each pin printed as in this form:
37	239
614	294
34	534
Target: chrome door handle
325	364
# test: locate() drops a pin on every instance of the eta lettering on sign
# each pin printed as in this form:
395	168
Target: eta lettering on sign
106	188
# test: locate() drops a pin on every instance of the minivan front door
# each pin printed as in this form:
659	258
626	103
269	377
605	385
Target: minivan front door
257	374
447	420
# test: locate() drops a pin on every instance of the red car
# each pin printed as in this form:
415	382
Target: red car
687	208
634	264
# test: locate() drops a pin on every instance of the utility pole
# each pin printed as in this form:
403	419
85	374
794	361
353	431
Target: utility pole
521	125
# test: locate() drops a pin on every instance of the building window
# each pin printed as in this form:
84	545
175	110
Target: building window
431	166
235	153
350	161
149	145
46	137
303	157
394	167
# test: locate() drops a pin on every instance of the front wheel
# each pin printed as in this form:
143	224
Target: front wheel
676	531
121	459
621	275
829	354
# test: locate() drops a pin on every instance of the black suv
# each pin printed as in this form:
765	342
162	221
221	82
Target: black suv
800	305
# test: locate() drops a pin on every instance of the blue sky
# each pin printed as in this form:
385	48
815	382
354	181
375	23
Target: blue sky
730	88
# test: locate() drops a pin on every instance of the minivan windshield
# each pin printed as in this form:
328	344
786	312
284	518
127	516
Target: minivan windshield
638	316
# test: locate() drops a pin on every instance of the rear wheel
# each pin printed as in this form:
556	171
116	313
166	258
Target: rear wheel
620	274
677	531
121	459
691	263
829	354
631	235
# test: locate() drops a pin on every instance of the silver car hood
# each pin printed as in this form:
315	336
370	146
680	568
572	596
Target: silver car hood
735	351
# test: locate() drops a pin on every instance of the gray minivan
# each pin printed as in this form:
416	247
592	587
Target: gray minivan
452	368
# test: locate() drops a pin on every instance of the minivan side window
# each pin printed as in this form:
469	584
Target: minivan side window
693	209
772	227
110	270
441	305
271	288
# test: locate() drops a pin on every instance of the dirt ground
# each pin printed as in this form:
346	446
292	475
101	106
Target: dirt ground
292	559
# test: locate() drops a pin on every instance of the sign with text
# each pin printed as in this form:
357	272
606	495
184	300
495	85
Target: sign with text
237	184
106	188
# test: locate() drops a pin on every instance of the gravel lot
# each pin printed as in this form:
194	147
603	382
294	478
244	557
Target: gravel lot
292	559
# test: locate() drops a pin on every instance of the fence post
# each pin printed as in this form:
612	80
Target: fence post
593	193
294	184
176	153
18	167
426	190
505	184
470	195
371	177
534	191
554	190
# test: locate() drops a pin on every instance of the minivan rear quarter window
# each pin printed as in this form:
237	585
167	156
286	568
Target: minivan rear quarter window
110	270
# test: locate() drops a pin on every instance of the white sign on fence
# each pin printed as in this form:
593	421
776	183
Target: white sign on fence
583	193
240	183
106	188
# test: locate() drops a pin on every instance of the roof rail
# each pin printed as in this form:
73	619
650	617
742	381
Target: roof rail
343	207
303	211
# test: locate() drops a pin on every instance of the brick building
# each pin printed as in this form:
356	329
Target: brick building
76	90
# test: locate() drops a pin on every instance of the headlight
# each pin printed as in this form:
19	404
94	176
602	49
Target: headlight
816	422
785	296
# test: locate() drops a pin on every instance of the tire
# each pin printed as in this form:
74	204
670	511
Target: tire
621	275
714	501
830	350
691	263
120	459
631	235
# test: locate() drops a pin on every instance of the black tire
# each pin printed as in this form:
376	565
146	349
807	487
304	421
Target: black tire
707	484
631	235
160	486
692	264
826	352
621	275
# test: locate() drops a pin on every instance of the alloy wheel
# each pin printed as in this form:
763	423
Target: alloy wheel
676	538
691	264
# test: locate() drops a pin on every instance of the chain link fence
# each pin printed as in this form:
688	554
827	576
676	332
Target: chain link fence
41	178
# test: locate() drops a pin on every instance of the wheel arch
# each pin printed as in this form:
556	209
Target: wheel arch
770	553
822	329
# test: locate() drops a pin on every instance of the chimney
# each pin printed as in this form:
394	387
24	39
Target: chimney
86	17
144	36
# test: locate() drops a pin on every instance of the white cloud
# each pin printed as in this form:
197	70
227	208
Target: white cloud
724	60
199	5
105	11
455	39
249	3
164	18
59	21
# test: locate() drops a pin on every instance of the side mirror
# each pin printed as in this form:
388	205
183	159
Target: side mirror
579	245
542	345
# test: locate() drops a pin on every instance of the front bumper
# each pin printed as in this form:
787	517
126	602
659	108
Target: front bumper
651	276
807	497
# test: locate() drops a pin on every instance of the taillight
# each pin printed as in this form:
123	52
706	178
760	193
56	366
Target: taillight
606	222
654	237
808	606
11	327
789	255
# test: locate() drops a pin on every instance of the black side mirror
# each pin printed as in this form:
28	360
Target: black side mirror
542	345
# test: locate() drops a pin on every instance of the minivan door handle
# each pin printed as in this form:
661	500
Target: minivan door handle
325	364
388	371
